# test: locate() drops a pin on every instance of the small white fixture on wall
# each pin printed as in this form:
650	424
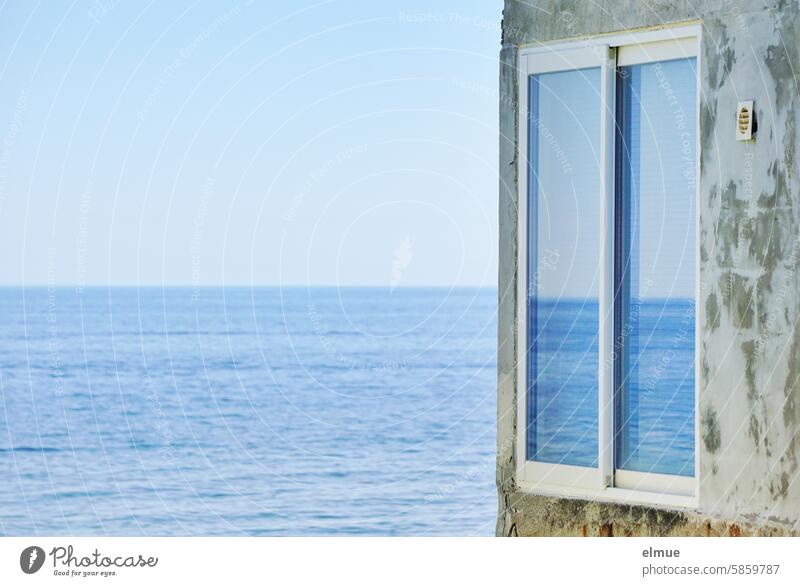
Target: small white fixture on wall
744	120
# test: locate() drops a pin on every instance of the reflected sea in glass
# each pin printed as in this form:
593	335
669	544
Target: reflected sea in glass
664	380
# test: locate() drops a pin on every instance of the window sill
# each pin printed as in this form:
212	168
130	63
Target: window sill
615	495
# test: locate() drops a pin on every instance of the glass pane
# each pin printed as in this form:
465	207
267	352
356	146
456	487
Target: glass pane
655	267
563	264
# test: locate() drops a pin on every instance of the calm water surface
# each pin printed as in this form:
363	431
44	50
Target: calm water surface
242	411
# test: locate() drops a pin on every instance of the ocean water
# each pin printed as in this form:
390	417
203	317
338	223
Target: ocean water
239	411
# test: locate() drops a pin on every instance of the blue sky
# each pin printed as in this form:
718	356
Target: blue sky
294	143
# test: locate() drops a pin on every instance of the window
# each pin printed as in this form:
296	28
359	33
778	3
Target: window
563	312
607	272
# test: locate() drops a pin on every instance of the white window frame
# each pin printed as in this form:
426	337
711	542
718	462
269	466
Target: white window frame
603	482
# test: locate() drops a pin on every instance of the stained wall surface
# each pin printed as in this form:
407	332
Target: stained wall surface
749	380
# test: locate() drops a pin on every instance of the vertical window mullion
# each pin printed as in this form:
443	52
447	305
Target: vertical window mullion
606	293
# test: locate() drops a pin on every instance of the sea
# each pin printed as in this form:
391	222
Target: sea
247	411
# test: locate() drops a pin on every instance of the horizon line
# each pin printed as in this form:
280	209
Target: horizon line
234	285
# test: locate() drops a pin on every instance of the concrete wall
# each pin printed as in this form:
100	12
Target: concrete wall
749	382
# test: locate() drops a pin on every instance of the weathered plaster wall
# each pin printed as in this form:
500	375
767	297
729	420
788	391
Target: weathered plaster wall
750	283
